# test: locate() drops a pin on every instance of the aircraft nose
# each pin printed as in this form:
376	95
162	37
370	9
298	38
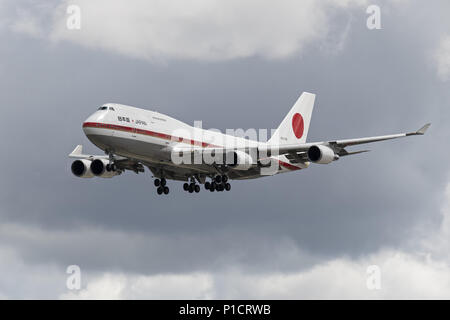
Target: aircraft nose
88	126
91	122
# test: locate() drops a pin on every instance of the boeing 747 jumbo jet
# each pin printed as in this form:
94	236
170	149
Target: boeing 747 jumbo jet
134	138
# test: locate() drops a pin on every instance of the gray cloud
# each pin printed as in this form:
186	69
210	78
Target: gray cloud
442	57
204	30
377	82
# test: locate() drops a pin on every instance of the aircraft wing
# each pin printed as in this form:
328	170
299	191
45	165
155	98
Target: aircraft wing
351	142
298	152
339	145
78	154
121	162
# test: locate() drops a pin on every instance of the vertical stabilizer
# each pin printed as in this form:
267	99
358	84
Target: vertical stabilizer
294	127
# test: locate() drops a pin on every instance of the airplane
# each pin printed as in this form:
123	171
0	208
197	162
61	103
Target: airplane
134	138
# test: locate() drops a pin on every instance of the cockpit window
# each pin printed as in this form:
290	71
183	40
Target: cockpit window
111	108
103	108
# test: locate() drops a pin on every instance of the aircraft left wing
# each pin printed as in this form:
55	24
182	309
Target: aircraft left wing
338	145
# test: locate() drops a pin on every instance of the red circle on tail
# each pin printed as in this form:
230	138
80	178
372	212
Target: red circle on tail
297	125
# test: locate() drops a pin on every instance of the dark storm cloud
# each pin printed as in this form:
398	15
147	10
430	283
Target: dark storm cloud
382	82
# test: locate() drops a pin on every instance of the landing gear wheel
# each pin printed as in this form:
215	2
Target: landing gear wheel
207	185
213	185
160	190
218	179
191	188
166	190
219	187
211	189
227	186
224	178
197	188
108	167
157	182
185	186
163	182
113	167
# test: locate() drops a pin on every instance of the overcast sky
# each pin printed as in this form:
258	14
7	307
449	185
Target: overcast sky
231	64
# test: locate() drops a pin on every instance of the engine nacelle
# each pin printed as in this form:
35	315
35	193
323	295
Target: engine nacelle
100	168
239	160
82	168
321	154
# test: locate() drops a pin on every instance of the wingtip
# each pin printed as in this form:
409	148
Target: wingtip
306	93
422	130
77	151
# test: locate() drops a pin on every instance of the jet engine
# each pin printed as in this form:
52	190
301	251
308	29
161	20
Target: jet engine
239	160
321	154
102	169
82	168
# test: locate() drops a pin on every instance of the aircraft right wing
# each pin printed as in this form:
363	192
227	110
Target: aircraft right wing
78	154
122	163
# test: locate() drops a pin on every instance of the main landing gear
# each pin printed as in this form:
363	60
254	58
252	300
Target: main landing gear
161	186
111	166
219	183
191	187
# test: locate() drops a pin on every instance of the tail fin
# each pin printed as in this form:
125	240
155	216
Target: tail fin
294	127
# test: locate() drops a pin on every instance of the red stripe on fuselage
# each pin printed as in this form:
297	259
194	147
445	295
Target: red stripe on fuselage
147	133
166	137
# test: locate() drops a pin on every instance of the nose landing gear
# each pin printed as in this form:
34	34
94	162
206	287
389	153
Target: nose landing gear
111	167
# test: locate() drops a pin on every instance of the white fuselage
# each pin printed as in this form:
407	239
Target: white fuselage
134	139
150	136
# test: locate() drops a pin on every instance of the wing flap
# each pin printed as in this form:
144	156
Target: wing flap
344	152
